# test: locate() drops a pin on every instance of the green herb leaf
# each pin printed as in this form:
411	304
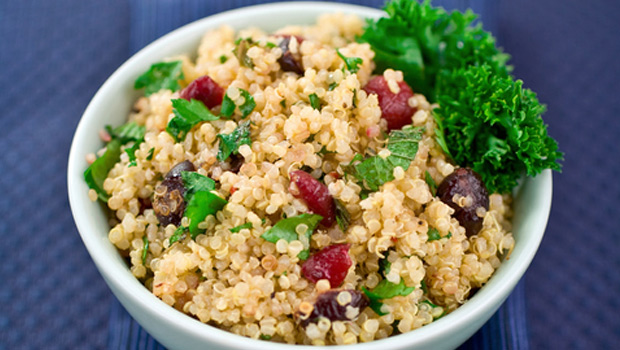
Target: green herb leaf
424	287
145	249
432	185
228	106
178	235
230	143
386	290
384	265
265	337
97	172
433	234
493	125
332	86
131	153
352	63
187	114
343	217
286	229
270	45
241	52
223	59
163	75
130	131
195	182
149	156
241	227
200	205
403	145
315	102
283	103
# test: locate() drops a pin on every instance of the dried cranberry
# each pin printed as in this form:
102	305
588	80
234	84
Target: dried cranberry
467	184
395	108
290	62
327	305
315	194
168	202
205	90
331	263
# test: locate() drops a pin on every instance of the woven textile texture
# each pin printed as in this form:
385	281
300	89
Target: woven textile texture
54	55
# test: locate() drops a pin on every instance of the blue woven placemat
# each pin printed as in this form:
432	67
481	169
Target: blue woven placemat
55	54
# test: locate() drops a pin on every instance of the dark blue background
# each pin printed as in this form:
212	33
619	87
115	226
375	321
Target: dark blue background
55	54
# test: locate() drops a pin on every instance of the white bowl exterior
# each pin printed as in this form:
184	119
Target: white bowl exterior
111	105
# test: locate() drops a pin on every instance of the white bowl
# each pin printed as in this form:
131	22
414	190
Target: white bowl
176	330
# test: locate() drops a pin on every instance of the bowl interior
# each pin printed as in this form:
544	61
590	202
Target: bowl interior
111	105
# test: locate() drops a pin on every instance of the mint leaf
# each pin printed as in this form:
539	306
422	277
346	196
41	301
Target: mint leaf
352	63
200	205
315	102
286	229
433	234
385	290
97	172
194	182
230	143
223	59
186	115
145	250
432	185
241	227
228	106
131	153
163	75
130	131
149	156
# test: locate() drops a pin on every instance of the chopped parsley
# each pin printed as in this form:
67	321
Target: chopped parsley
352	63
315	101
241	52
228	106
386	290
432	185
433	234
223	59
145	249
286	229
162	75
149	156
283	103
375	171
187	114
130	131
241	227
131	153
332	86
97	172
343	217
230	143
178	235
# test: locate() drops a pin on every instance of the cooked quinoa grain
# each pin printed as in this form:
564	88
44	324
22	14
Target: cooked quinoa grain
226	270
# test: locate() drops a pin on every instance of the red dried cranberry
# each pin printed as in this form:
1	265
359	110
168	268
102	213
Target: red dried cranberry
331	263
205	90
315	194
327	305
290	62
395	108
464	182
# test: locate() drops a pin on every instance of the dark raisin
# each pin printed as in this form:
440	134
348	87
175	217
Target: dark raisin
328	306
168	201
205	90
467	184
290	62
236	161
395	108
331	263
315	194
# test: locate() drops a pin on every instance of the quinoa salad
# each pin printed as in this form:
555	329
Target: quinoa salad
282	187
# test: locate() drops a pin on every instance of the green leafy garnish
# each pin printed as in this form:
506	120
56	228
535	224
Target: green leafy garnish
223	59
241	227
486	120
200	205
163	75
315	102
332	86
343	217
265	337
130	131
432	185
493	125
386	290
228	106
145	250
186	115
283	103
131	153
97	172
424	287
384	265
403	146
270	45
433	234
178	235
230	143
352	63
149	156
195	182
286	229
